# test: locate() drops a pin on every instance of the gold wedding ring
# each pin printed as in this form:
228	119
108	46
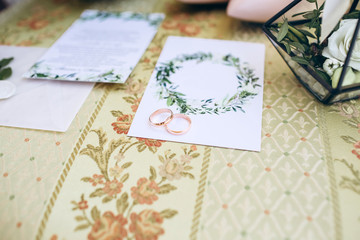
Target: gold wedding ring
177	132
160	111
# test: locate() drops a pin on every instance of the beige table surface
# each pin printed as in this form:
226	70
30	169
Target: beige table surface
95	182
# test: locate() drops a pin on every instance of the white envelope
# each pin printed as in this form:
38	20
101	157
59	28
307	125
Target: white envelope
39	104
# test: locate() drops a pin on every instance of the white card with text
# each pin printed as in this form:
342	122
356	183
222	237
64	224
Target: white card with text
98	47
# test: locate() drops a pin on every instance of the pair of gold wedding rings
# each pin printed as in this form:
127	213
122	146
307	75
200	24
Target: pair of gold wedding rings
169	116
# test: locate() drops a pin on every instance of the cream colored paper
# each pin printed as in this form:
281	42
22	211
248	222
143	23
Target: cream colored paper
39	104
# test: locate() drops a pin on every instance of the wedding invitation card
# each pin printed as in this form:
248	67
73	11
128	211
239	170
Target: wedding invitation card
98	47
218	84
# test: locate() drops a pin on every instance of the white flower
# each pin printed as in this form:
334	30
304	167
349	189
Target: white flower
339	44
330	65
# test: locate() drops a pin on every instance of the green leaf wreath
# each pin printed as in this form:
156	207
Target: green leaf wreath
246	89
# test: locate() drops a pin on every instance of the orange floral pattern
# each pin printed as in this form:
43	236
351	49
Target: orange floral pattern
112	187
135	106
109	227
189	29
351	111
170	24
187	24
145	192
151	142
146	225
40	24
109	157
96	179
123	123
356	151
42	17
83	205
54	237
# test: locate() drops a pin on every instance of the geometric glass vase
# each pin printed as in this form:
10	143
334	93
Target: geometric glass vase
328	79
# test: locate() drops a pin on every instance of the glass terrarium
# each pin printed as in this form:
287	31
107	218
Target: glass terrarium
329	68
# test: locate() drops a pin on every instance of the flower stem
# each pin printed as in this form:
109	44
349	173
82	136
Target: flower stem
129	146
162	180
86	218
129	209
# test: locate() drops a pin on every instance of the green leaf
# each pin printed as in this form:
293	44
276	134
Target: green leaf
95	213
309	15
300	60
166	188
186	174
283	31
307	33
291	36
141	147
79	218
129	99
83	226
117	113
195	155
188	168
352	15
298	46
352	123
323	75
122	203
169	102
124	178
40	75
97	193
153	149
162	159
349	139
5	73
153	173
126	165
287	46
85	179
298	14
5	61
168	213
107	199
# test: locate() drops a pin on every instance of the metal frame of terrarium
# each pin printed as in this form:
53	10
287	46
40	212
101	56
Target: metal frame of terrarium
322	89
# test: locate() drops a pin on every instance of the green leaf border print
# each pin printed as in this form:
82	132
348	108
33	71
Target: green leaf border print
40	71
154	19
167	90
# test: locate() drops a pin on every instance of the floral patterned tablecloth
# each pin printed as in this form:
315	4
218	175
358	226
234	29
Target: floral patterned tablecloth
95	182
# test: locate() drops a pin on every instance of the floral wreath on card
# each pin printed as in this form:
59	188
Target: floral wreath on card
246	89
